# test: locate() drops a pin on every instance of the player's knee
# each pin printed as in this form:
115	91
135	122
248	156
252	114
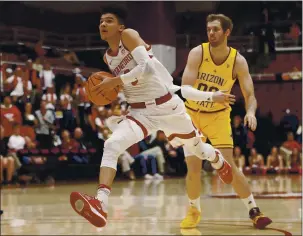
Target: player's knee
202	150
112	150
208	150
114	145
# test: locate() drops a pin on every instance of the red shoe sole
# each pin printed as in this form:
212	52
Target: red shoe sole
263	222
87	211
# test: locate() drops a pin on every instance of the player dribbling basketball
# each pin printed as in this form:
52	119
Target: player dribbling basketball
149	90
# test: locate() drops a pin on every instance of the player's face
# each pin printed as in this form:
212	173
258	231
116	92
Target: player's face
109	26
215	33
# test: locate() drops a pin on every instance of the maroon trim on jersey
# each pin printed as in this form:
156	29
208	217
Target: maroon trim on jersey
158	101
234	76
144	130
182	136
213	59
148	48
111	53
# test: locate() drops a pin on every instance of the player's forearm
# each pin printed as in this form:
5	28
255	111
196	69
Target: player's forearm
251	104
144	65
191	93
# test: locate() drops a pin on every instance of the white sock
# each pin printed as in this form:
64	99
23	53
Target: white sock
249	202
195	203
102	195
218	165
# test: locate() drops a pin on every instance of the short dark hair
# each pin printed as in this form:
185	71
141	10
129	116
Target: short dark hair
119	11
226	22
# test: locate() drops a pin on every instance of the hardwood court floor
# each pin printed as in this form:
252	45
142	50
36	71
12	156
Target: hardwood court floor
154	208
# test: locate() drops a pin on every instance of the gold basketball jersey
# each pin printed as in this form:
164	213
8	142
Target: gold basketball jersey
213	77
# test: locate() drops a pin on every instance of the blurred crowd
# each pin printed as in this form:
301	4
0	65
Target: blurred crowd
47	121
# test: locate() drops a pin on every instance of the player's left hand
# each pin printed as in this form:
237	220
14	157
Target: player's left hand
107	84
251	121
224	98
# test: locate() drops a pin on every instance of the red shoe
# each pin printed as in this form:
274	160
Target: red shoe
259	220
225	173
89	207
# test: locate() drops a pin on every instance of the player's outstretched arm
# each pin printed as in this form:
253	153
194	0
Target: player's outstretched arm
247	88
190	76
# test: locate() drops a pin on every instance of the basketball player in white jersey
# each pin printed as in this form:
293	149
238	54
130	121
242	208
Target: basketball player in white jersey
149	90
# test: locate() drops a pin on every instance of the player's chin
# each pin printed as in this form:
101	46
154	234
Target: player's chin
103	37
214	44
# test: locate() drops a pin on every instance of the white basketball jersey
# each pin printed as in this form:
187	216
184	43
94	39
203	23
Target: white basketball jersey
148	87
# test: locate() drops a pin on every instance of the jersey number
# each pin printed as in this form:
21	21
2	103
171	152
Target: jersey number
205	88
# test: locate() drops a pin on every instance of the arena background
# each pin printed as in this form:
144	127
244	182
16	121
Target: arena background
51	48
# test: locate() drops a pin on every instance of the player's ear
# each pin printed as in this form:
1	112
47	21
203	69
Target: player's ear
227	33
121	28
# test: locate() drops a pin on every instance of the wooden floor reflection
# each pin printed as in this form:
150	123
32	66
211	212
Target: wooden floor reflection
154	208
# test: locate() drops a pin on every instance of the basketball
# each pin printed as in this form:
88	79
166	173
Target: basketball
97	98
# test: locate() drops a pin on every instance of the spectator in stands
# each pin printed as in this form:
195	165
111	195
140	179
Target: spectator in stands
291	143
37	65
40	51
295	162
126	161
47	77
68	142
16	143
19	85
80	156
82	100
6	162
46	120
144	160
10	115
255	159
31	75
256	163
56	140
29	118
156	151
288	146
239	133
294	33
274	161
239	158
174	157
78	136
5	73
289	122
50	98
66	104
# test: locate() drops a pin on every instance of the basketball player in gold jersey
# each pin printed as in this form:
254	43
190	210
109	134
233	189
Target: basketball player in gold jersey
213	67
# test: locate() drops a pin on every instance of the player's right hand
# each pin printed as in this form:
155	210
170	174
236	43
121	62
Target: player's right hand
223	97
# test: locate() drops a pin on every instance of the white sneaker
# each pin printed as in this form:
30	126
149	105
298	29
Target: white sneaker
148	176
158	176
